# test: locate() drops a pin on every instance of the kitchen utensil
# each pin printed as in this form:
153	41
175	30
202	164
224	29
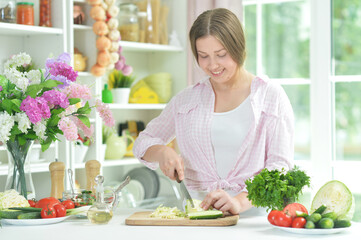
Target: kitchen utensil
92	169
184	189
57	178
101	212
70	175
148	178
143	219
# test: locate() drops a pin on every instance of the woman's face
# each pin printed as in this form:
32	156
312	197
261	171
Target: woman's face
215	61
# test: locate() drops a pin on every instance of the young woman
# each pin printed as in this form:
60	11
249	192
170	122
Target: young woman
228	126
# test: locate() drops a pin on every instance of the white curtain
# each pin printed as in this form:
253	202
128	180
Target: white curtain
196	7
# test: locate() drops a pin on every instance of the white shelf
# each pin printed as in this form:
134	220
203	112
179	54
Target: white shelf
13	29
112	163
79	1
35	168
148	47
2	148
139	106
120	162
82	27
85	74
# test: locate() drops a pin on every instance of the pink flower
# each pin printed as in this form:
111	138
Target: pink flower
35	109
1	88
105	113
78	91
88	131
56	98
69	129
127	70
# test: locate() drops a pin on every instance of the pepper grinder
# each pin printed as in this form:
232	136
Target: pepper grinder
92	169
57	171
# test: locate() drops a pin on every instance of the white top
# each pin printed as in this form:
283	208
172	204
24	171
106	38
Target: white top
228	131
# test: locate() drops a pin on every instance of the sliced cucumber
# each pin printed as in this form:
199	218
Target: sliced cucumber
210	214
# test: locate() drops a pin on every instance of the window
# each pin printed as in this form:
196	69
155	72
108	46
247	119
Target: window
313	49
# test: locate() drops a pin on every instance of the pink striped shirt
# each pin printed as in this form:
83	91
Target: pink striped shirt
188	116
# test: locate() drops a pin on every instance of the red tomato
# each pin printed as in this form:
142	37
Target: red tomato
283	219
299	222
68	204
60	210
291	209
48	212
271	216
44	202
31	203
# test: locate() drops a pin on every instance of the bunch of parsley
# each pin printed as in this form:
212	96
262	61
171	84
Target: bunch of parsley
275	189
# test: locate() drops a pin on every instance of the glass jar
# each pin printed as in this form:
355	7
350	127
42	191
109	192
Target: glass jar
45	13
7	11
128	22
25	13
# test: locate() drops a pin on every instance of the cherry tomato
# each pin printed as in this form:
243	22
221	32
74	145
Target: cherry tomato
68	204
299	222
31	203
271	216
48	212
44	202
60	210
291	209
283	219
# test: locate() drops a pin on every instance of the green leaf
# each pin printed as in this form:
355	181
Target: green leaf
33	90
45	145
73	101
84	119
50	83
84	110
7	104
22	139
15	130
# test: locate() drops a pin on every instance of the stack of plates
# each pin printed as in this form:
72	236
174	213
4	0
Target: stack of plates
148	178
160	83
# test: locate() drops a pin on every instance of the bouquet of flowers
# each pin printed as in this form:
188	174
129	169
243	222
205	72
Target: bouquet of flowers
39	104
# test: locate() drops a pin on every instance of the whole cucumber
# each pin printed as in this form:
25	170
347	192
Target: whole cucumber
30	215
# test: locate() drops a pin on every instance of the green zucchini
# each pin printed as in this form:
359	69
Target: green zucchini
342	223
10	214
210	214
30	215
26	209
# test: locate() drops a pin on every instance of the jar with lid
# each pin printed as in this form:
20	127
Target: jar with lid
45	13
7	11
128	22
25	13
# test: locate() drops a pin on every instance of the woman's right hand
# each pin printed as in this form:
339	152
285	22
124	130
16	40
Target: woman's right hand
168	159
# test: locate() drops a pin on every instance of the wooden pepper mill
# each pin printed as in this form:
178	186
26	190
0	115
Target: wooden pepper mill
57	172
92	169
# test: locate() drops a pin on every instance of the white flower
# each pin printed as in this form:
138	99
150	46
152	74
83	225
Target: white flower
34	76
18	60
6	123
40	129
11	73
23	121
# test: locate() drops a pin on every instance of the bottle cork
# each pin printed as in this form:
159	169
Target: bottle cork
92	169
57	172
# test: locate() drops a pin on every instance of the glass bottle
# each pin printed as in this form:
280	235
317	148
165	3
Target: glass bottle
101	212
25	13
128	22
45	13
7	11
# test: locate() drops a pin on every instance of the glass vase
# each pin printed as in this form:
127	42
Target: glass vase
19	176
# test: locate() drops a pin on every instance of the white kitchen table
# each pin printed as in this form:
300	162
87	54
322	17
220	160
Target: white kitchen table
80	229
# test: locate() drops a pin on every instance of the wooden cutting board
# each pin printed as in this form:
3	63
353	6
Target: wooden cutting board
143	219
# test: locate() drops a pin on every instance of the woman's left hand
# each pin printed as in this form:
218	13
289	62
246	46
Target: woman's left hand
221	200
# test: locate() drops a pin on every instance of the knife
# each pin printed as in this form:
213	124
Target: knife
184	189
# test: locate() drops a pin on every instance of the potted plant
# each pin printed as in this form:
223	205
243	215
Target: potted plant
120	85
